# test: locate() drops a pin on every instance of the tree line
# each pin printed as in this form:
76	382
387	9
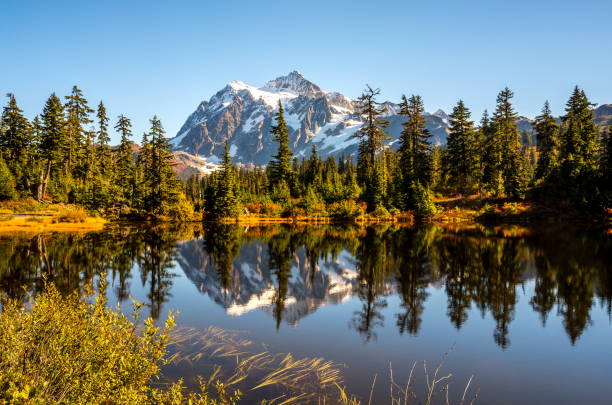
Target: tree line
64	155
569	160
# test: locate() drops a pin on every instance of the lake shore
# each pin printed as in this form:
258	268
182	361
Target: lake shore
32	216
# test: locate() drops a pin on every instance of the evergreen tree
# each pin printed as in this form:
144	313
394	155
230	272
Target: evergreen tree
225	203
103	141
414	141
53	141
547	135
579	137
463	151
77	119
164	187
507	146
281	170
373	139
17	143
124	174
414	150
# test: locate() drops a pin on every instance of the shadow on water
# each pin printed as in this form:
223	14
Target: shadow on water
290	272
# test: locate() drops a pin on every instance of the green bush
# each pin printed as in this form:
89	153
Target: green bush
424	206
68	350
380	212
7	182
348	209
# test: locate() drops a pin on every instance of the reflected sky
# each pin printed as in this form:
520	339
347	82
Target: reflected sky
526	310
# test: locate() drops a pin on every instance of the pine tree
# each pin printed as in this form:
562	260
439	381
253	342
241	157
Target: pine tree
164	188
103	141
415	146
16	143
492	157
463	151
225	203
77	119
578	154
414	149
507	145
53	141
281	170
124	162
547	135
373	140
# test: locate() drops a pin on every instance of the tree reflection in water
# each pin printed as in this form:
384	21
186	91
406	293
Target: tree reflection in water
307	267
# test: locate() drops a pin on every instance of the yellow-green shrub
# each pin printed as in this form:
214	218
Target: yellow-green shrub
66	350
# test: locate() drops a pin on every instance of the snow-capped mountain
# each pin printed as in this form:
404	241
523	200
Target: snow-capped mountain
242	115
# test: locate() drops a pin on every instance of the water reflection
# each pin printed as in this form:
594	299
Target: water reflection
290	272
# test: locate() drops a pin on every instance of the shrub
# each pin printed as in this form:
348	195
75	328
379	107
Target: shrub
183	209
71	214
7	182
66	350
348	209
381	212
424	206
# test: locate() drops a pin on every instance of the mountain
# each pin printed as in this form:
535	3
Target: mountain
242	114
603	115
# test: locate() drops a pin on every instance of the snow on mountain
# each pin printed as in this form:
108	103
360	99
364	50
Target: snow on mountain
242	115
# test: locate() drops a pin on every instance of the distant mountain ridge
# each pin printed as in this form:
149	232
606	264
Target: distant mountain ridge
242	115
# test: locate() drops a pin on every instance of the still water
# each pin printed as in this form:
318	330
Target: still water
526	311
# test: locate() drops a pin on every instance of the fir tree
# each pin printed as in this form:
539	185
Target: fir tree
281	170
414	141
547	135
77	119
579	137
53	141
373	140
16	143
414	150
225	203
103	141
164	188
463	152
507	146
124	162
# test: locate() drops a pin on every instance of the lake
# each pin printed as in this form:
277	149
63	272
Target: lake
526	310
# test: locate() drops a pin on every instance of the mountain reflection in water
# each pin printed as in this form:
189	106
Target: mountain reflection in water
290	272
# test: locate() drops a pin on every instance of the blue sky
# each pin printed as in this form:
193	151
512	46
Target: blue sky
148	57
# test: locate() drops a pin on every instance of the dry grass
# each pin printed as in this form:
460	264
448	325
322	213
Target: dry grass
250	369
295	381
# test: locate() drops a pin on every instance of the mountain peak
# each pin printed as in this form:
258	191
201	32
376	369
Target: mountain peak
296	82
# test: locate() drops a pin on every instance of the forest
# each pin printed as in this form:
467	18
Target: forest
63	155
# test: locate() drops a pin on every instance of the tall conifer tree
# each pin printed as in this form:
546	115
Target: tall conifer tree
281	170
371	170
579	138
547	138
124	161
77	119
463	153
53	141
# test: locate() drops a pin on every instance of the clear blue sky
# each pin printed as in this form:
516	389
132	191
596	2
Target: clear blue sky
163	57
